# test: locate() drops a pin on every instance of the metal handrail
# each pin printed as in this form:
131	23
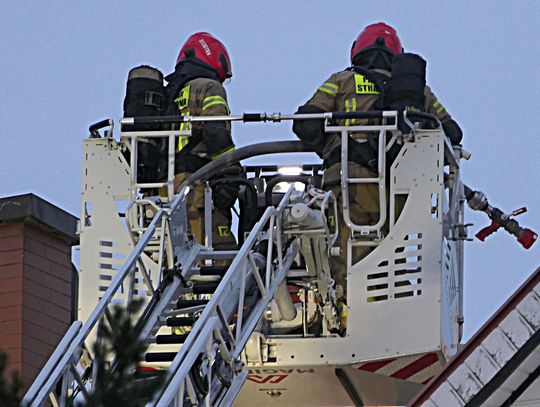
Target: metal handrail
208	324
254	117
52	362
344	132
48	379
196	343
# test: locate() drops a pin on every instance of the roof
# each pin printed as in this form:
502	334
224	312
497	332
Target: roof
33	209
499	362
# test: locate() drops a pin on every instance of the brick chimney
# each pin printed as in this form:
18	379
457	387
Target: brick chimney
37	281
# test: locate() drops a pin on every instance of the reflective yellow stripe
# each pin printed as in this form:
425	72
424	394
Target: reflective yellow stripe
331	220
350	106
364	86
330	88
215	157
214	100
183	140
438	107
342	309
183	103
218	102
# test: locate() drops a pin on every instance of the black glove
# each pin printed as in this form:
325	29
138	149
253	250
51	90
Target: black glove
224	195
310	131
453	131
225	192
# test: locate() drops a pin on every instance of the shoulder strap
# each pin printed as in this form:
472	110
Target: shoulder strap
380	80
377	78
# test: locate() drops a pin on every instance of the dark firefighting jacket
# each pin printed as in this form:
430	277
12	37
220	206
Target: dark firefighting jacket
352	91
196	91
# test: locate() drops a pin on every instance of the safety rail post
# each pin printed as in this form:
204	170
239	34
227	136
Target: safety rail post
133	137
208	238
457	200
344	131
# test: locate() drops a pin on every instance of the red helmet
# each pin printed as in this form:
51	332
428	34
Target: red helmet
379	35
210	51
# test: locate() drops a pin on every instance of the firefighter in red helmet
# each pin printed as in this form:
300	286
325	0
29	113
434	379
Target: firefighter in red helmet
195	88
381	76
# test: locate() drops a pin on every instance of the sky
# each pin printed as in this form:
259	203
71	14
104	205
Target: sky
65	64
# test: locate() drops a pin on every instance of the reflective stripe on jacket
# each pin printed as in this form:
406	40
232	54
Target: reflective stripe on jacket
349	91
205	97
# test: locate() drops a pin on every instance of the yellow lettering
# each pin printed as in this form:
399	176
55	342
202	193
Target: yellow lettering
183	98
223	230
364	86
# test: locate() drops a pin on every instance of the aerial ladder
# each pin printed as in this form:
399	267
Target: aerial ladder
264	329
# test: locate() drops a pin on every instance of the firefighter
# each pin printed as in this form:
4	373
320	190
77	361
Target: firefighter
381	77
195	88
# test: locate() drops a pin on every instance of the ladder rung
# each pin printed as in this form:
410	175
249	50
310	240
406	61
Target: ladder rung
160	356
180	321
213	270
198	278
190	303
205	287
363	180
167	339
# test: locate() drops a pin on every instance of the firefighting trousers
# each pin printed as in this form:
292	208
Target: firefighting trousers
222	237
363	210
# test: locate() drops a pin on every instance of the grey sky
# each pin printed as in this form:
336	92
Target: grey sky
64	66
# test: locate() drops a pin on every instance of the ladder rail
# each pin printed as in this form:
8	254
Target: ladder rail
52	362
69	352
177	385
197	341
133	138
166	298
70	349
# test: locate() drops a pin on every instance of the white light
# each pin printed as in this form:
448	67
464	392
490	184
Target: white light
284	186
290	170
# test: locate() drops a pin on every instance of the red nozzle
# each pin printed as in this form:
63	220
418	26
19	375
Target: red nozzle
527	238
488	230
